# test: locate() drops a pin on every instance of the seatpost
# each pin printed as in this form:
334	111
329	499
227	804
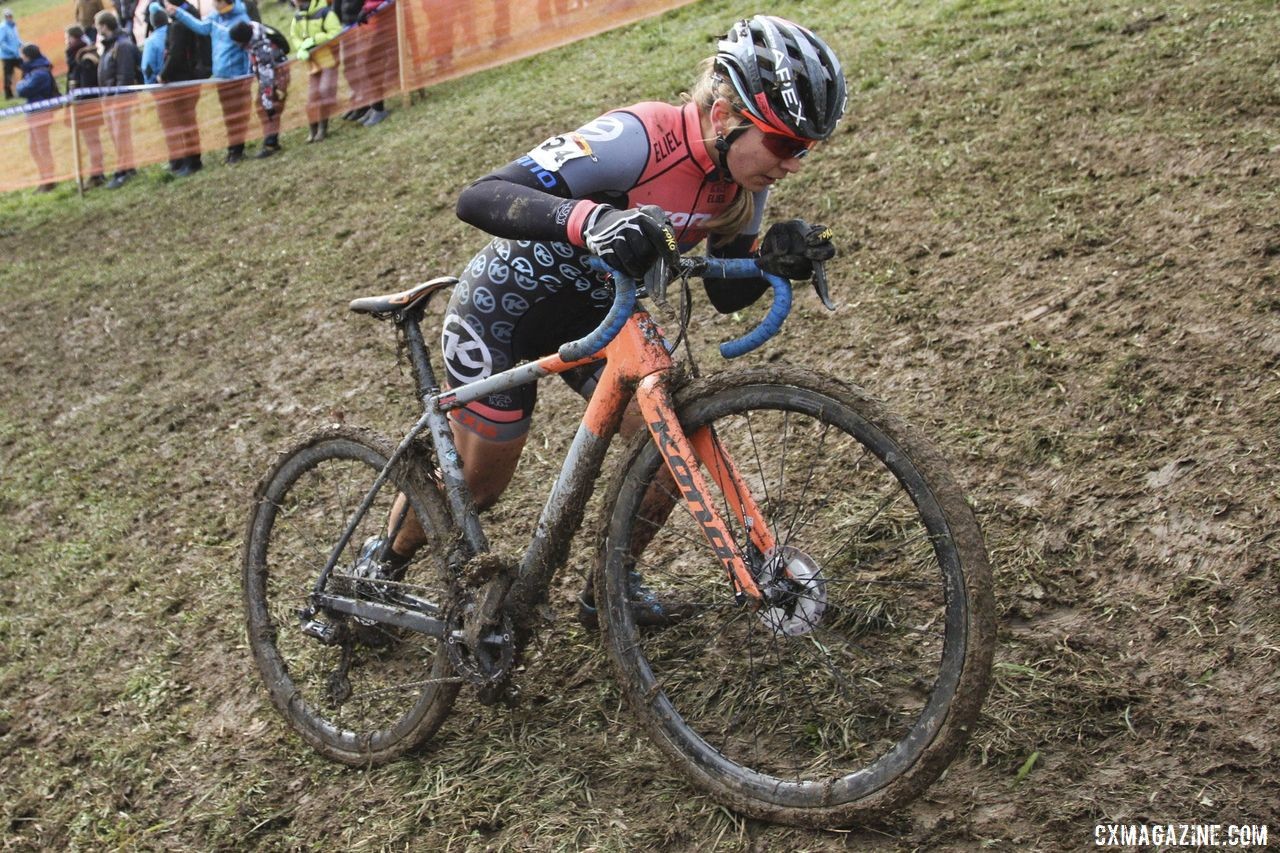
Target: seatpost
411	323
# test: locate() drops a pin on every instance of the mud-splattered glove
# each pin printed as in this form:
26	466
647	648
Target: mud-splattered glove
630	241
790	248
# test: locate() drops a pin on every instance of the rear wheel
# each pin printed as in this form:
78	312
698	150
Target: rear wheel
359	691
855	687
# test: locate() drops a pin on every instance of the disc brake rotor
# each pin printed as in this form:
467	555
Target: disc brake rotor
799	593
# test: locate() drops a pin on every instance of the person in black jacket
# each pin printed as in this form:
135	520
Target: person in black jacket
118	67
268	50
82	73
187	56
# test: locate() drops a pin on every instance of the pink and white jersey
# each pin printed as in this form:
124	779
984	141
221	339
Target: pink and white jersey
649	153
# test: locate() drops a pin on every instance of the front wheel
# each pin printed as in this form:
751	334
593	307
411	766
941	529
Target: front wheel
854	688
359	691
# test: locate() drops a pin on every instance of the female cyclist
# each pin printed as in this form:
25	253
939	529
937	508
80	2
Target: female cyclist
772	91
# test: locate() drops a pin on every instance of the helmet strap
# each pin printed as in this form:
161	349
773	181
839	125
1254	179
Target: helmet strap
722	146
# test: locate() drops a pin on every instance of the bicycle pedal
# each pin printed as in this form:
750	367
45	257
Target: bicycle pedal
325	632
505	693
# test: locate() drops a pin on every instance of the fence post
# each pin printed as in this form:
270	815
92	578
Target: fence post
401	18
75	145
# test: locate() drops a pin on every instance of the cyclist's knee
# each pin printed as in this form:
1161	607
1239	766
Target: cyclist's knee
488	466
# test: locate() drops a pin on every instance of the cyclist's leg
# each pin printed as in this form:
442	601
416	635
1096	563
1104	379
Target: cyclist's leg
488	467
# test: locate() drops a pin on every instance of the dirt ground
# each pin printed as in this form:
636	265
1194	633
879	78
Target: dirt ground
1061	243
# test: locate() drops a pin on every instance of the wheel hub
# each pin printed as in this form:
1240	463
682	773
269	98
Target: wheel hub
796	593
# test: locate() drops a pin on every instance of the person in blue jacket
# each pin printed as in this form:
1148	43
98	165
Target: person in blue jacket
10	50
230	63
37	84
153	48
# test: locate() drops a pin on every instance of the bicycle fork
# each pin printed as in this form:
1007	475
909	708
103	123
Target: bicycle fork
706	451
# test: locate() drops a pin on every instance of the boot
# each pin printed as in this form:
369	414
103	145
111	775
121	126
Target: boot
312	130
270	145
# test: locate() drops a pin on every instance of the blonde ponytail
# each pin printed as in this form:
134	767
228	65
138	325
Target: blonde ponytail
709	88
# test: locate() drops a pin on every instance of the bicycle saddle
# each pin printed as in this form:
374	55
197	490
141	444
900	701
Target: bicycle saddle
393	303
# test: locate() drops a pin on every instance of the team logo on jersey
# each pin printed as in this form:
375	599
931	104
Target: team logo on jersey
483	300
503	249
602	129
465	354
695	220
502	331
564	250
543	255
477	265
462	293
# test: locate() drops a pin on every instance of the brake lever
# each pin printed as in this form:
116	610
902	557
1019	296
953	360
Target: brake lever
820	284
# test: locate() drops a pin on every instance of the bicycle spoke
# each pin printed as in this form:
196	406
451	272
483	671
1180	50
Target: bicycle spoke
825	686
359	690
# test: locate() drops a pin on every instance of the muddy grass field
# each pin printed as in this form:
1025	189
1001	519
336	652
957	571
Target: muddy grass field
1061	240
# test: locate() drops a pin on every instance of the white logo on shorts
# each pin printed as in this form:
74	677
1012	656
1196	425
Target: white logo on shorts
498	271
514	303
483	300
465	354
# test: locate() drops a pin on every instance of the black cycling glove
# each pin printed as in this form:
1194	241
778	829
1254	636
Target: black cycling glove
790	248
630	241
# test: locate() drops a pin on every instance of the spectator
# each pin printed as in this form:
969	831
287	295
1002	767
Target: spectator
82	73
230	63
124	15
37	84
268	51
314	25
188	56
118	67
381	59
10	50
75	40
352	49
153	49
86	10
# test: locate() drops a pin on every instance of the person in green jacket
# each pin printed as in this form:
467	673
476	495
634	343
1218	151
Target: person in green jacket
314	26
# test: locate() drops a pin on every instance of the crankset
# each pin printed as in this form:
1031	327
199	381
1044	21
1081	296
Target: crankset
479	636
488	659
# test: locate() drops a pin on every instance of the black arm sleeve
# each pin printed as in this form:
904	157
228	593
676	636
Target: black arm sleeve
519	202
733	294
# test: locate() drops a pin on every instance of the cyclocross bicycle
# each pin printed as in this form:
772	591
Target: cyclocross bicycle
829	618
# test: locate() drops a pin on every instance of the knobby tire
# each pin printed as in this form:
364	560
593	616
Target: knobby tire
851	702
